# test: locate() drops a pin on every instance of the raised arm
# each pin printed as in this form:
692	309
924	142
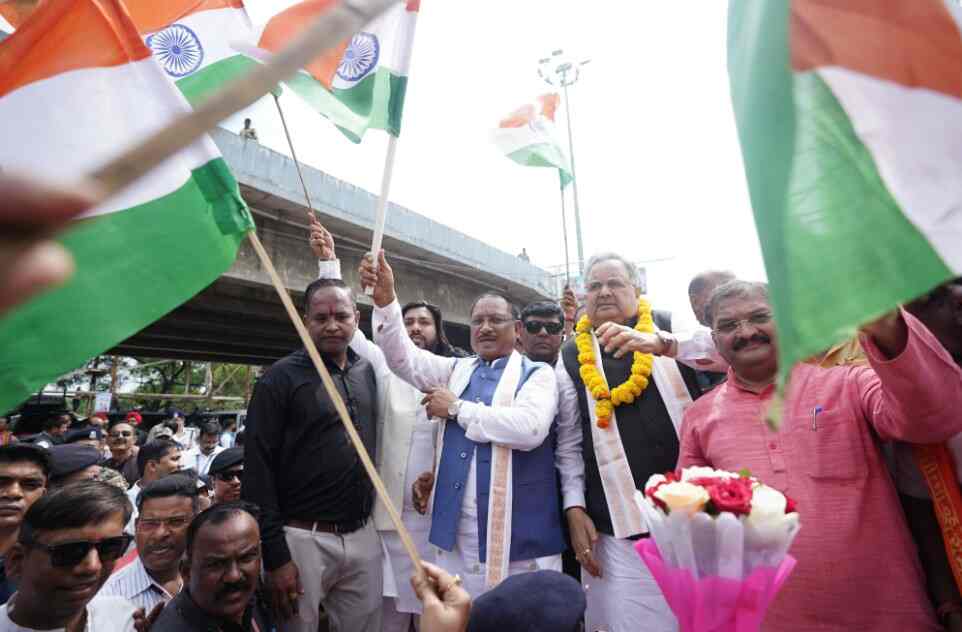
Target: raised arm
418	367
915	393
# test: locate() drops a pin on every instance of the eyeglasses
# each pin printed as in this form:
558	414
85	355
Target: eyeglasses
731	326
173	523
535	326
228	476
69	554
121	434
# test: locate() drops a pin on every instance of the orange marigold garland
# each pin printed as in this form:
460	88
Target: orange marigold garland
625	393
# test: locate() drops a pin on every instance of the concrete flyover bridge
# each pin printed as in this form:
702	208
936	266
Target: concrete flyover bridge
239	317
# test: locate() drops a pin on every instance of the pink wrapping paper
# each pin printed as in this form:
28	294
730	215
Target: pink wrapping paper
716	604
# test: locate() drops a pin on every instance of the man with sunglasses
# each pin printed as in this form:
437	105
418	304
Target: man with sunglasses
542	331
826	455
165	509
122	443
498	410
67	547
227	470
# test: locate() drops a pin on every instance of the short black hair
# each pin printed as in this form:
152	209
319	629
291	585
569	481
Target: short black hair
320	284
545	309
512	308
442	347
733	289
154	451
54	421
219	514
29	452
74	506
210	427
177	484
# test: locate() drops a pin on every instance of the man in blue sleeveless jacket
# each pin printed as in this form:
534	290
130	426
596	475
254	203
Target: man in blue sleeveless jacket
495	510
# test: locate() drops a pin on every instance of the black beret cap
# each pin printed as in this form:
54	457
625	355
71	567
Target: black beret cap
228	458
87	432
69	458
545	601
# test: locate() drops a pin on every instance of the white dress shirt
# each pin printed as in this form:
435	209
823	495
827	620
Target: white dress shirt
197	460
135	584
104	614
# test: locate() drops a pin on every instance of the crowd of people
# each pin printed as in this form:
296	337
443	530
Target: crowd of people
513	467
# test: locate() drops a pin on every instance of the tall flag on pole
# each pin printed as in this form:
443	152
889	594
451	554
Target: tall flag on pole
361	84
850	120
528	137
192	41
144	251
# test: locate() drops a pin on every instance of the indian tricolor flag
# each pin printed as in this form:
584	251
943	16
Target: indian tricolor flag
78	86
849	114
527	136
359	85
192	41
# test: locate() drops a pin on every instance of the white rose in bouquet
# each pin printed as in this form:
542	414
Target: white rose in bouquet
682	497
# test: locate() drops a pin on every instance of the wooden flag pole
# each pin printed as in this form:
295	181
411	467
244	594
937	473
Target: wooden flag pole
342	21
338	402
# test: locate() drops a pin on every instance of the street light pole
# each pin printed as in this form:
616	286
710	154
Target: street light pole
556	71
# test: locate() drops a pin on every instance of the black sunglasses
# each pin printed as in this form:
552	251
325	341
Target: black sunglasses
69	554
228	476
534	326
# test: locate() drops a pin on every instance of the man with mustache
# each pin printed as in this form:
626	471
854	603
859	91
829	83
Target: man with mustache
165	509
542	331
24	470
220	573
300	468
155	460
857	567
121	441
67	547
496	510
405	441
226	472
200	456
636	439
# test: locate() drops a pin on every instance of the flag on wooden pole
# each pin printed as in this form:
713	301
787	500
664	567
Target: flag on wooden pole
527	136
142	252
192	41
850	120
361	84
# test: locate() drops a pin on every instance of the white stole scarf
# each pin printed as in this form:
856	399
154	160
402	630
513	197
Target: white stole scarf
616	477
500	492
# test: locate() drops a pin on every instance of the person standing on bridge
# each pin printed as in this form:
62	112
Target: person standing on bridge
300	468
405	441
495	507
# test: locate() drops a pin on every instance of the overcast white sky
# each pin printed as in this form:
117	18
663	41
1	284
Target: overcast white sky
659	168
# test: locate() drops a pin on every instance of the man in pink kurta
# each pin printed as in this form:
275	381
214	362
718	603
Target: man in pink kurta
857	565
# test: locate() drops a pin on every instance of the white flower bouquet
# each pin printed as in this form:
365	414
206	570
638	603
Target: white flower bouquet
719	546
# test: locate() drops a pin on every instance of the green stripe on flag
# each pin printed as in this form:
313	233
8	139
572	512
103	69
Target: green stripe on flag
838	250
544	155
376	102
133	266
202	83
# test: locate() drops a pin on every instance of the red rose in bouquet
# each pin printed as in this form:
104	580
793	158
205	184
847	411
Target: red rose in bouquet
733	495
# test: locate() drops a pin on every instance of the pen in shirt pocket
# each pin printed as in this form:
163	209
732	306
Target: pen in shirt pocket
815	412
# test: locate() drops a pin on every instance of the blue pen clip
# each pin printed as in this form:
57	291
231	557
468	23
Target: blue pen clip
815	412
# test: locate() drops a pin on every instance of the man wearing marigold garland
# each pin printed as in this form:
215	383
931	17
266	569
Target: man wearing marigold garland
857	567
620	408
495	501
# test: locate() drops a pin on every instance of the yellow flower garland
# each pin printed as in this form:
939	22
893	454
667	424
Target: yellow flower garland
625	393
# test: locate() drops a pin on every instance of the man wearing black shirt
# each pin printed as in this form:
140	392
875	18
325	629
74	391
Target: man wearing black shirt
304	473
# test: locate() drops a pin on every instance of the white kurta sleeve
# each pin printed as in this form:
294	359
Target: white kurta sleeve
568	455
697	350
418	367
522	426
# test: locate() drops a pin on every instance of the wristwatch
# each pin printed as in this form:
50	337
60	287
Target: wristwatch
666	339
453	409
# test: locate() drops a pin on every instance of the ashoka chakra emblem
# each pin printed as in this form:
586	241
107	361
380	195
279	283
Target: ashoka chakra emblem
178	50
360	57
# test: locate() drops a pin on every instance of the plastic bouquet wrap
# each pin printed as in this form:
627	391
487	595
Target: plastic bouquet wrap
718	548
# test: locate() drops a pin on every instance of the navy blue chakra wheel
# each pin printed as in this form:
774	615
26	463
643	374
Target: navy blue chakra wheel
178	49
360	57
